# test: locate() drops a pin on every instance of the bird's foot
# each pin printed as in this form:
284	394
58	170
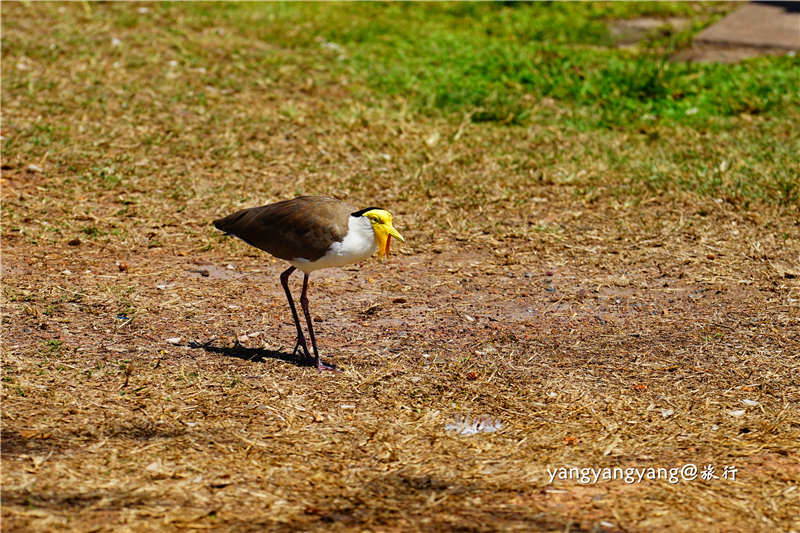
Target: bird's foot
301	343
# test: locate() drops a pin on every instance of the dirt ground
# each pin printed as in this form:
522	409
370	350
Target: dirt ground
623	345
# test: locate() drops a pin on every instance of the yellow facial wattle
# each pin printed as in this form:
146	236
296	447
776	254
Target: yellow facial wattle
384	231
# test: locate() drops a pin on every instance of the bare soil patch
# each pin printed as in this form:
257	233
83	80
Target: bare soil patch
602	350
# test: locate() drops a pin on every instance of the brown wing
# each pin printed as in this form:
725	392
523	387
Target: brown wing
303	227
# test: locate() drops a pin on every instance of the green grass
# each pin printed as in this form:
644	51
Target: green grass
495	61
545	85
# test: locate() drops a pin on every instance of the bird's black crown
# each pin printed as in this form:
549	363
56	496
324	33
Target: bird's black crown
362	211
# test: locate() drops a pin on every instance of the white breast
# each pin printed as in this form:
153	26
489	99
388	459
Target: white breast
357	245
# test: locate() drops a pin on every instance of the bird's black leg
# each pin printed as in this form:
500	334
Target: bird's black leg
304	303
301	340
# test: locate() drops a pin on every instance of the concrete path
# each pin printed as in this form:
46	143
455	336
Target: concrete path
753	29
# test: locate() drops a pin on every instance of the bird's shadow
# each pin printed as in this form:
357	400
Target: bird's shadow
258	355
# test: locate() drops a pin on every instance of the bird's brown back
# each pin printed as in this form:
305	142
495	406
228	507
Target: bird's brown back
303	227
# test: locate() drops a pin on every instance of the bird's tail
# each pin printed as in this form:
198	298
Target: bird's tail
224	224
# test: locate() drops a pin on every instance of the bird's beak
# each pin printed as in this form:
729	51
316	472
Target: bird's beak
383	235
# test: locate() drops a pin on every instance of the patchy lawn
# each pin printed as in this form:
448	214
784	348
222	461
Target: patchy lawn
614	276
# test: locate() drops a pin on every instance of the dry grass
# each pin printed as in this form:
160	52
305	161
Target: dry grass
604	321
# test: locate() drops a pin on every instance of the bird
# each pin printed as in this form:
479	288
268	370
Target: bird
310	233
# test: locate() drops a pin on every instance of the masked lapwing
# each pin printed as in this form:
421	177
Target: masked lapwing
310	233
